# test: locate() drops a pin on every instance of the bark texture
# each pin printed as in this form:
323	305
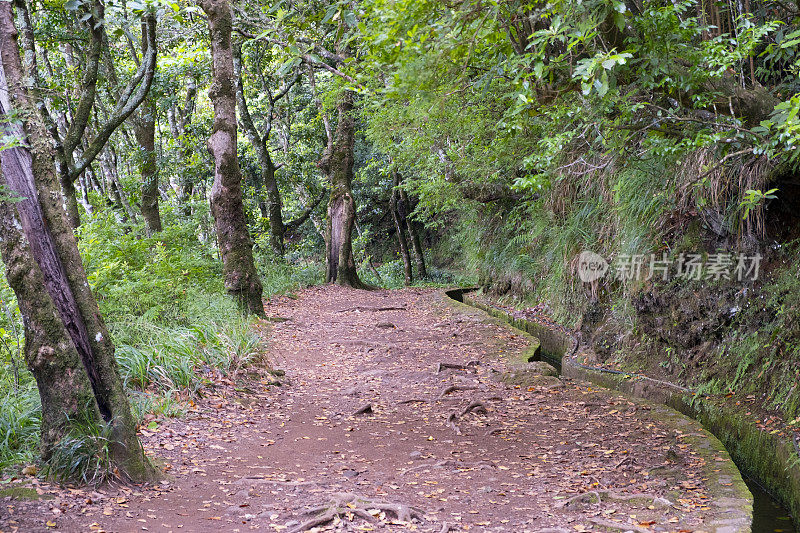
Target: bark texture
29	173
239	271
49	353
337	164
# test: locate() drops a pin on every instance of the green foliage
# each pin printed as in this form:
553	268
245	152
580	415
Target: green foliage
151	277
82	455
753	198
20	418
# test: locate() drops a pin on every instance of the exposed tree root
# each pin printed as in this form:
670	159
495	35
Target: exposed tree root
364	410
600	496
582	497
452	423
412	400
440	464
476	406
455	388
618	525
362	308
456	366
353	505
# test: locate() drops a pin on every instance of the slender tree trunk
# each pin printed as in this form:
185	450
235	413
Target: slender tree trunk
70	198
179	119
29	173
399	227
337	164
271	208
145	132
239	270
277	229
83	183
413	233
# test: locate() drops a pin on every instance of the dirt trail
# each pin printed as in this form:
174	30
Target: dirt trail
450	449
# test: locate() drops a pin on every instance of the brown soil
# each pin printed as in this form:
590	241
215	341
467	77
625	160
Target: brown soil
438	449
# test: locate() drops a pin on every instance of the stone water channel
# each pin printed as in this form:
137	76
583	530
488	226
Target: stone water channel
769	514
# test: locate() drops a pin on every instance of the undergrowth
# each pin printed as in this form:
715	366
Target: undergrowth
174	329
525	254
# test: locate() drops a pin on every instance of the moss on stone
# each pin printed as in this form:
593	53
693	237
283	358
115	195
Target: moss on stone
19	492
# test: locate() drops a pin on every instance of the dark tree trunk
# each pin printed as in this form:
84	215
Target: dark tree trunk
239	270
145	132
337	164
277	229
29	173
413	233
400	229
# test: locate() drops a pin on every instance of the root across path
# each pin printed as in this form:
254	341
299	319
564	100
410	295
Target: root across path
404	428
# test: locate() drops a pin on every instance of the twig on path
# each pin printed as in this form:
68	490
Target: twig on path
492	431
445	528
253	480
625	460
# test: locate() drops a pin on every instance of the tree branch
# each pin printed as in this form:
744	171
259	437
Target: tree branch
89	83
305	214
133	95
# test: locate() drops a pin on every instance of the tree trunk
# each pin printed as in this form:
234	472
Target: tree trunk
416	245
70	199
179	120
51	357
337	164
29	173
239	270
271	208
277	229
145	132
400	229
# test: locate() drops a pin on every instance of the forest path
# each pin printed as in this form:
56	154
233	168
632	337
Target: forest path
261	460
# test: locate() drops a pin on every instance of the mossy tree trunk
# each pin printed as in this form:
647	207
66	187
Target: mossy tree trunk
273	204
239	270
29	173
337	164
50	355
145	132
